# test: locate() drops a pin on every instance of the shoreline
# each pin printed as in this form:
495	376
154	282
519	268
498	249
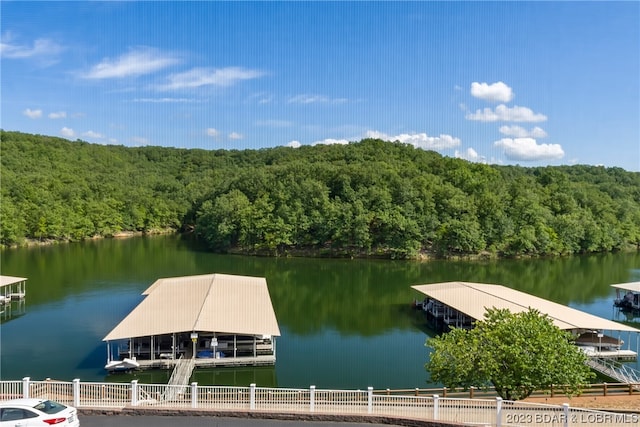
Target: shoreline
320	253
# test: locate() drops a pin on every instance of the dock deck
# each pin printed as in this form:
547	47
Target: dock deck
266	360
12	289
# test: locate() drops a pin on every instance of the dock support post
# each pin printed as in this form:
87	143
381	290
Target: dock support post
194	394
76	392
369	400
498	411
252	396
25	387
134	392
435	407
312	398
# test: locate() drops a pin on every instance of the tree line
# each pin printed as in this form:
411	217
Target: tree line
367	198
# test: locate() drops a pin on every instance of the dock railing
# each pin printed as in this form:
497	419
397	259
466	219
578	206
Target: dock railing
487	411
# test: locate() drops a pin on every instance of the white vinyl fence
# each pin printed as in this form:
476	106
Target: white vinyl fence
493	412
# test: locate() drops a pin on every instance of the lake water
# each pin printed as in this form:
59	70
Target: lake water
344	323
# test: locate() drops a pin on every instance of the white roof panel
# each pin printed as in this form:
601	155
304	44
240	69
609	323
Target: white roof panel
473	299
207	303
631	286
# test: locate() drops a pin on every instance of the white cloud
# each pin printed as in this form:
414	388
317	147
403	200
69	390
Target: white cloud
40	48
315	99
136	62
471	155
503	113
527	149
419	140
93	135
213	132
330	141
495	92
32	114
67	132
294	144
58	115
198	77
520	132
235	136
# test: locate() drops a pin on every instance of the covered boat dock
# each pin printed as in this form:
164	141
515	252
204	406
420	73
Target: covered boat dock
459	304
12	288
211	320
627	296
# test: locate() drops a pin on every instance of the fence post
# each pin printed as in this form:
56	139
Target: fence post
370	400
194	394
25	387
312	398
134	392
435	407
252	396
76	392
604	389
498	411
471	392
566	414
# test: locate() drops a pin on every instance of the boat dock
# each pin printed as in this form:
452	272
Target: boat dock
12	288
212	320
459	304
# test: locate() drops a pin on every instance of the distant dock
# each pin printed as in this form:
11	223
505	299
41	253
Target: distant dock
459	304
12	288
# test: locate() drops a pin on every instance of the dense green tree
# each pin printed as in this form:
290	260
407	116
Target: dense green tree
517	353
367	198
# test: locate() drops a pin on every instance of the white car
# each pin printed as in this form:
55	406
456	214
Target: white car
37	412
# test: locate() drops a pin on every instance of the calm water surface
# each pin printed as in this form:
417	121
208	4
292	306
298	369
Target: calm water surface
344	323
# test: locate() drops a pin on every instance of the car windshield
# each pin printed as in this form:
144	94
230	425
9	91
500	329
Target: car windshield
49	407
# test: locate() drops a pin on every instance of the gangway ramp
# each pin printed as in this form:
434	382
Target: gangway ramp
615	370
179	380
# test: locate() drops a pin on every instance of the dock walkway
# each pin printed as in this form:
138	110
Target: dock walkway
617	371
179	380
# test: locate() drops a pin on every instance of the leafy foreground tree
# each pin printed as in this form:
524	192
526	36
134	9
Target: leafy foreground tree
516	353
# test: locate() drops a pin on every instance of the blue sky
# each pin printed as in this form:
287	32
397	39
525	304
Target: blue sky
529	83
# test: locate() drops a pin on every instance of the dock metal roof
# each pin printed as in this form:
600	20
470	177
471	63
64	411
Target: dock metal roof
473	299
207	303
10	280
631	286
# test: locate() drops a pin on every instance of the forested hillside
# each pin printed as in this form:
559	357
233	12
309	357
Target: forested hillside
370	198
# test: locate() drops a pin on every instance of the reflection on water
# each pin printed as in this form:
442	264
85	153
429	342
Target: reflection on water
12	310
344	323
